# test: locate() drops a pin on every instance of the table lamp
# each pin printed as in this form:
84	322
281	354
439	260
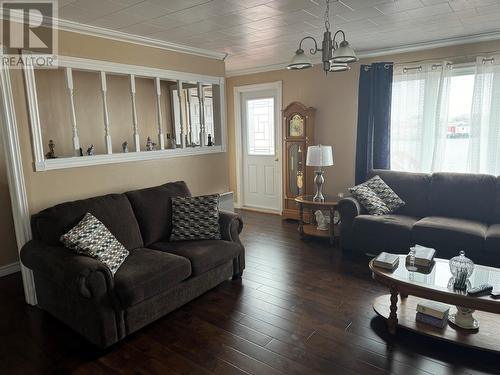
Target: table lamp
319	156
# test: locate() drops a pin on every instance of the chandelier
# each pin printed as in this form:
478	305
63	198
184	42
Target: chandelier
335	56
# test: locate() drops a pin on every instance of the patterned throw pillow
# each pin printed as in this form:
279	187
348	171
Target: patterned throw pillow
369	200
91	238
195	218
384	192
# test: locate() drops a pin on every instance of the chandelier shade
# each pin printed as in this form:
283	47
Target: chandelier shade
300	61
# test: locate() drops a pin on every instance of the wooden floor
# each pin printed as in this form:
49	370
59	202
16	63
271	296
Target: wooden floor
302	307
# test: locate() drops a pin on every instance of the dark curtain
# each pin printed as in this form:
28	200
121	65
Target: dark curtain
373	143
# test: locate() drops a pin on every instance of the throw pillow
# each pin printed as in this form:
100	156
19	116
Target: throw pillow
384	192
369	200
91	238
195	218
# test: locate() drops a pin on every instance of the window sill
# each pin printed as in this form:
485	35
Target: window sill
84	161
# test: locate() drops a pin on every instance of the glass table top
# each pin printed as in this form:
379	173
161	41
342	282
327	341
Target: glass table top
440	277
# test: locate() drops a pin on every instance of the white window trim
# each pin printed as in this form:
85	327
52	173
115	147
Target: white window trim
42	164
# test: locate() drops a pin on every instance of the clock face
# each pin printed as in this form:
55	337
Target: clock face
296	126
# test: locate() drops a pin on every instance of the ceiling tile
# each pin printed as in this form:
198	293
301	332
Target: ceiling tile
399	6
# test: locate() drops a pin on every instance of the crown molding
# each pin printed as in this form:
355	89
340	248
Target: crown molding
76	27
414	47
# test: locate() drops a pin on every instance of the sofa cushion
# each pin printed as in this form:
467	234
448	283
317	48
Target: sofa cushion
91	238
383	233
412	188
369	200
384	192
147	272
450	233
492	243
204	255
195	218
464	196
153	209
113	210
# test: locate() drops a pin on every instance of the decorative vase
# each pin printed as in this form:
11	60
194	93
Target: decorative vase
460	264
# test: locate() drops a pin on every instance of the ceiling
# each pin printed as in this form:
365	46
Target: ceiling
257	33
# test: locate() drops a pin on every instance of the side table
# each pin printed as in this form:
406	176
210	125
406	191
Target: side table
310	229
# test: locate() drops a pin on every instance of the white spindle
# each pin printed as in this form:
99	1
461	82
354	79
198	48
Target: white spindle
201	98
181	117
190	118
137	142
161	138
69	83
107	137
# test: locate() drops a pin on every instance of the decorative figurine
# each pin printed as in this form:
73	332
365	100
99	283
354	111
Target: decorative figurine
169	141
150	145
80	151
209	143
90	150
125	146
322	220
52	153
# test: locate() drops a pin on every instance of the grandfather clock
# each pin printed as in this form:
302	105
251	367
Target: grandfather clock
298	133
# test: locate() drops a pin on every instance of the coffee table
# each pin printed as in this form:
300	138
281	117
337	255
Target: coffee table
407	289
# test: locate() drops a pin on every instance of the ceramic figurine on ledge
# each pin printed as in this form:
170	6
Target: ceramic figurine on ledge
150	145
52	153
169	141
90	150
80	151
210	143
125	146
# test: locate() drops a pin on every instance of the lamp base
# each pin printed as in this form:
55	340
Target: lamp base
319	181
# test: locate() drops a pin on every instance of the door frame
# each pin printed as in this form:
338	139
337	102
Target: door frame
237	91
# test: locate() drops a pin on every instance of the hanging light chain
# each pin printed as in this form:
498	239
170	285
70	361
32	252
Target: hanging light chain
327	15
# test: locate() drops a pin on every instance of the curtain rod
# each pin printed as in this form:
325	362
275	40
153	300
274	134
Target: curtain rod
451	57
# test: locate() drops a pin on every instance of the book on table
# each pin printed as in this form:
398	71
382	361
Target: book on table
387	261
431	320
435	309
423	256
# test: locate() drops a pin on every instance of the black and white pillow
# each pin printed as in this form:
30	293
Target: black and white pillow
384	192
91	238
369	200
195	218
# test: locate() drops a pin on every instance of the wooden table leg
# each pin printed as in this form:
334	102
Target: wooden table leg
392	322
332	226
301	219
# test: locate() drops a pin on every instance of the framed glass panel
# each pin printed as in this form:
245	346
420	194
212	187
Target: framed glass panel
260	126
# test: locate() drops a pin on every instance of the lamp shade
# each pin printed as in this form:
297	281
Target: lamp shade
344	54
319	156
300	61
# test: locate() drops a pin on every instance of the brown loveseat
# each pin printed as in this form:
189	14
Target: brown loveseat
157	277
446	211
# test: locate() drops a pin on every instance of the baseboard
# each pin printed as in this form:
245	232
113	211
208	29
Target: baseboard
9	269
262	210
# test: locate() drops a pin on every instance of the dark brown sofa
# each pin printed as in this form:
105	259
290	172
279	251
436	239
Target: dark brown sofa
446	211
157	277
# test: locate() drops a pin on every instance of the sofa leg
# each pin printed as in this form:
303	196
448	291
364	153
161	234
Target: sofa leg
237	276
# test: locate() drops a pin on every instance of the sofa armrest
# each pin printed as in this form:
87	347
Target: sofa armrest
348	209
83	275
231	225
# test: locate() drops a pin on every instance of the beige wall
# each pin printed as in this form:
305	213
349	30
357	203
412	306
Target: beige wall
336	99
204	173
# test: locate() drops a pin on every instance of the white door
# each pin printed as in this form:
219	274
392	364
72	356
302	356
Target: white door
260	140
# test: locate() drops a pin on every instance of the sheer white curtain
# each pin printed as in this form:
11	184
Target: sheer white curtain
419	117
484	145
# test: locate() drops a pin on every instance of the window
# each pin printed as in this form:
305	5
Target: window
431	115
260	125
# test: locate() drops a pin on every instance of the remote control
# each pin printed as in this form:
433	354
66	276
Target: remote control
495	294
483	289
